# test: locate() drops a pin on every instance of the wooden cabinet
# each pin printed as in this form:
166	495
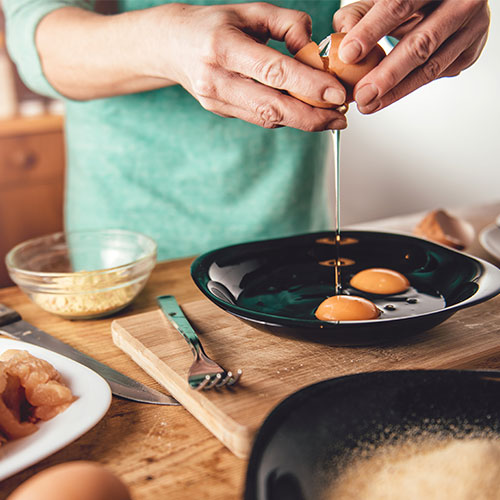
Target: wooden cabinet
31	181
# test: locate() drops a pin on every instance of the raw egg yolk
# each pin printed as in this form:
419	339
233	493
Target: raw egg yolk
380	281
344	240
346	308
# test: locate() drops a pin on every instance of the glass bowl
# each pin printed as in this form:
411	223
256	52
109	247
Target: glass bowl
83	275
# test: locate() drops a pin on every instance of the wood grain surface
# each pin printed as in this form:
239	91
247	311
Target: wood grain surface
275	367
164	452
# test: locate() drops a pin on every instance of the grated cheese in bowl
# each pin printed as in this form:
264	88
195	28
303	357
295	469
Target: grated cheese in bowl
83	275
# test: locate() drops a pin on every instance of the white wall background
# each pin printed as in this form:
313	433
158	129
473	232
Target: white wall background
437	147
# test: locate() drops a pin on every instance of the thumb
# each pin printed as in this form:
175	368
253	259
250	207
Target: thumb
288	25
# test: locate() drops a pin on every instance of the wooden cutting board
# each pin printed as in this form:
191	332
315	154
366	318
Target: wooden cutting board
275	367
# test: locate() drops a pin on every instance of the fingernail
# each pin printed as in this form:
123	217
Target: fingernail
337	124
335	96
350	52
370	108
366	94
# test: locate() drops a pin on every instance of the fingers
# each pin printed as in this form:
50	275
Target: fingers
466	59
292	26
231	111
459	52
347	17
423	54
407	26
239	97
223	61
384	17
411	52
276	70
288	25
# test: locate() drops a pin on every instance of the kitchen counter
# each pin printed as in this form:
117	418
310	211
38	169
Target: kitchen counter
163	451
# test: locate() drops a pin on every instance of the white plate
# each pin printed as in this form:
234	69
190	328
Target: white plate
94	398
489	238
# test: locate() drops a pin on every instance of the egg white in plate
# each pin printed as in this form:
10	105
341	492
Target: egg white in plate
93	400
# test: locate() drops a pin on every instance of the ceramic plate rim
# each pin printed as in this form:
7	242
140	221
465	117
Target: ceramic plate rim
279	321
490	228
94	399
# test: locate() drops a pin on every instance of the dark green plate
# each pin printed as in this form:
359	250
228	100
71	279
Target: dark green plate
276	285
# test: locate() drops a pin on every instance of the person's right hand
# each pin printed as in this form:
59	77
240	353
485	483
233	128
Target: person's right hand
219	55
437	39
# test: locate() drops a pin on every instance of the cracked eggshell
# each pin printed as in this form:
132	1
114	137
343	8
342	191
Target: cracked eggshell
309	54
347	74
443	228
350	74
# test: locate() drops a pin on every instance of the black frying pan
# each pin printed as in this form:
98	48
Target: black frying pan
308	436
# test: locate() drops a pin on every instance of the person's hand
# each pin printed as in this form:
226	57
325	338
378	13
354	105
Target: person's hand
219	55
437	39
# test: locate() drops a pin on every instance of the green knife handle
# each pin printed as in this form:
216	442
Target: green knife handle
8	315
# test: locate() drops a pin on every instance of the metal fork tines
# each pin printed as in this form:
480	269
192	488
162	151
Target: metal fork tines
204	373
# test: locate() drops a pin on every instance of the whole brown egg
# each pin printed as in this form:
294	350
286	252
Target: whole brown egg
80	480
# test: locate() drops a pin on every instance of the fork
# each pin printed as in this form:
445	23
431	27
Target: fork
204	373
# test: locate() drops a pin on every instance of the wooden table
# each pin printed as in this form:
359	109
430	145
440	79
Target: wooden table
163	452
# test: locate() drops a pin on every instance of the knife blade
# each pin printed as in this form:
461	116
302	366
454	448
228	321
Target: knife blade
13	326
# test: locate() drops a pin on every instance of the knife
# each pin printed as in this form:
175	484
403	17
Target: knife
12	325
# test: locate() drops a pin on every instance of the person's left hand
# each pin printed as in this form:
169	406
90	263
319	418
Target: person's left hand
438	39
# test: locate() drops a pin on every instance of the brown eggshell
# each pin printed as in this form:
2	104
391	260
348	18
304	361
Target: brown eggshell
79	480
348	74
309	54
443	228
351	74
